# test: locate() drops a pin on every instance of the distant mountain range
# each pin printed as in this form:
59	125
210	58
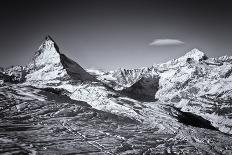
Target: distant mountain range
194	87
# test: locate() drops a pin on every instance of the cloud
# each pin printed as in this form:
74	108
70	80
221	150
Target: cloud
166	42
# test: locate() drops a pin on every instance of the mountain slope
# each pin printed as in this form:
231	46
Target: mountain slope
144	89
43	121
201	86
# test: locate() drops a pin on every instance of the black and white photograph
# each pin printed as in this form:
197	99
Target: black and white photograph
115	77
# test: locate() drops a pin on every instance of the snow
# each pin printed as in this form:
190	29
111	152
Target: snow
181	77
195	54
200	86
95	71
49	66
97	97
190	82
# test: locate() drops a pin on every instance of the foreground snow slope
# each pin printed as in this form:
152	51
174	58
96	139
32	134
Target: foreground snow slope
43	121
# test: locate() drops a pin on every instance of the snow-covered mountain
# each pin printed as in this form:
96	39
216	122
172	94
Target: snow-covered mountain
194	83
177	107
51	69
199	85
49	65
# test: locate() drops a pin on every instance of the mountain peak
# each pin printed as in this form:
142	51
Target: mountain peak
49	64
49	44
48	37
47	53
195	54
195	51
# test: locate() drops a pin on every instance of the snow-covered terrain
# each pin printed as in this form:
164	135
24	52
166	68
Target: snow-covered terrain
43	121
194	83
200	86
182	106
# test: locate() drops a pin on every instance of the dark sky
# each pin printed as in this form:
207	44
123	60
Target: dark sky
108	34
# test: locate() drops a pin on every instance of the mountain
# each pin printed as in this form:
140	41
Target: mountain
201	86
50	65
53	70
193	83
182	106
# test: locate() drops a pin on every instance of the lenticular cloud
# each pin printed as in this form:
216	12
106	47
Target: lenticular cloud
165	42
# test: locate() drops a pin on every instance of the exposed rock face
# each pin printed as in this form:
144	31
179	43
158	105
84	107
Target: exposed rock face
1	69
3	78
49	65
17	73
14	74
144	89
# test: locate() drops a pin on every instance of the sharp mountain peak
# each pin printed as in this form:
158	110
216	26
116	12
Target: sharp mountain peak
49	44
49	63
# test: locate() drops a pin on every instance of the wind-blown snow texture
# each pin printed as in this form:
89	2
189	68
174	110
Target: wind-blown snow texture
53	91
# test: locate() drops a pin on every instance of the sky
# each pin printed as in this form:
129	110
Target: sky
111	34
